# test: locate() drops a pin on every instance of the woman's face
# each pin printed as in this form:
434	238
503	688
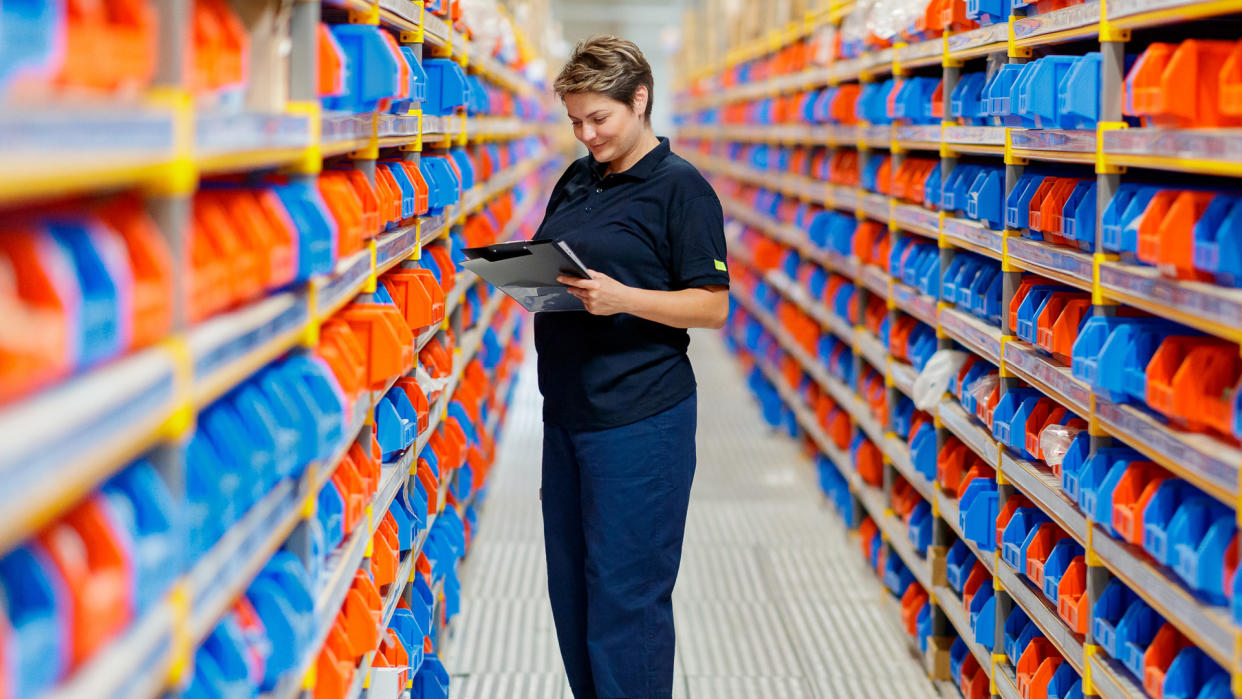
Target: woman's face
607	128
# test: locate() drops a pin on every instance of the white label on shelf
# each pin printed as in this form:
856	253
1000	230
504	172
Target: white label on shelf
1072	17
916	219
1217	304
1223	145
975	135
959	423
1192	452
875	206
921	51
960	326
1047	257
1058	140
1055	377
875	279
920	133
974	233
915	303
975	38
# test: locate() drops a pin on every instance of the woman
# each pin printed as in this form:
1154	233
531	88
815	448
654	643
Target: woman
619	392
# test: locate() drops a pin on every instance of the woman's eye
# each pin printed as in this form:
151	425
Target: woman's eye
601	120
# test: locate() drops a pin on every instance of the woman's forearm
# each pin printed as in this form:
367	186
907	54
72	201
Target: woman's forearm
688	308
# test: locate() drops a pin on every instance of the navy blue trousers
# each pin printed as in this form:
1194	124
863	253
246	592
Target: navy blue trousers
614	513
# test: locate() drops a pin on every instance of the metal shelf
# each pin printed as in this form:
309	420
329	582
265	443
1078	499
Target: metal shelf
972	433
915	219
871	349
903	376
1210	152
1134	14
947	505
1210	627
1048	375
949	601
1213	309
979	42
1062	264
898	453
1210	464
1068	24
85	428
916	303
62	441
1044	614
1005	681
974	236
979	337
1110	680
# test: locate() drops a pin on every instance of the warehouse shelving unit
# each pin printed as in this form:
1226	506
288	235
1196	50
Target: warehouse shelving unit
63	441
1209	463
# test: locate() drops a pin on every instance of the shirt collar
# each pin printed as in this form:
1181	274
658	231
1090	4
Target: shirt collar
642	169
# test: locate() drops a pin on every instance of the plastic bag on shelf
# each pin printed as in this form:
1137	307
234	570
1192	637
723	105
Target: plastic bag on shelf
933	381
1055	441
983	387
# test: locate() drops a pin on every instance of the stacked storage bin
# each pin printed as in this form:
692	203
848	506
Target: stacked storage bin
248	404
1064	515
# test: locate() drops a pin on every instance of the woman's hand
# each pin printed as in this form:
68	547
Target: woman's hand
601	294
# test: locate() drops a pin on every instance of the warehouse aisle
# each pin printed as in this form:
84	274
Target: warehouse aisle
773	600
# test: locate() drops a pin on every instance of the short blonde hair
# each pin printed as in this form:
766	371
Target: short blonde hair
608	65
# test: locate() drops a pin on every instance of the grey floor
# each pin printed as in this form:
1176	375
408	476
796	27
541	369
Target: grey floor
773	600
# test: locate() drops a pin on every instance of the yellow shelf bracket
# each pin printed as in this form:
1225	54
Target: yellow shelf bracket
1010	157
1102	166
1016	51
311	160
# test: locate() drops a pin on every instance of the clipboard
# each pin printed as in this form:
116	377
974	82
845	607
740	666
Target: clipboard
526	270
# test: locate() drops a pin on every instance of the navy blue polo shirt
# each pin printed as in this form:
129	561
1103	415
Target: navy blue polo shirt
655	226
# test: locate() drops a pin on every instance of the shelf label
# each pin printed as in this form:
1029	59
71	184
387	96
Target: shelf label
1057	378
1219	305
1059	140
973	232
976	38
847	134
916	304
1199	144
975	135
344	127
954	417
1066	262
875	206
921	51
842	264
872	350
916	219
346	280
903	376
238	335
985	342
878	136
219	571
875	279
1190	452
920	133
848	69
1211	623
845	197
219	133
1075	17
1125	8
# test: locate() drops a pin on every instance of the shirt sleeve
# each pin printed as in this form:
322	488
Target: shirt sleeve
697	244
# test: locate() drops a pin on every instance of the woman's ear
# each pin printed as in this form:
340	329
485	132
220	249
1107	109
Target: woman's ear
640	100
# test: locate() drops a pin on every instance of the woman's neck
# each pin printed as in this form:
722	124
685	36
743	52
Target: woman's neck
647	142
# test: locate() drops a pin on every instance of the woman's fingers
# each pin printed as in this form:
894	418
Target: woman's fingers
573	282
